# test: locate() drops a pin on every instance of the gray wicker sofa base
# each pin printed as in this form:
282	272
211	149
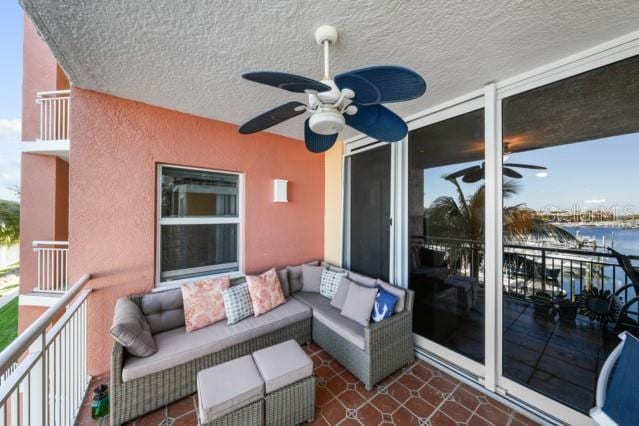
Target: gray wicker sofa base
387	345
133	398
252	414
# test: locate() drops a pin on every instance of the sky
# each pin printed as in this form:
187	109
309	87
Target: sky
588	175
10	96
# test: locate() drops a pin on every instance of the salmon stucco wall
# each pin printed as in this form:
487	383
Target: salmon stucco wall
39	74
115	148
333	169
44	208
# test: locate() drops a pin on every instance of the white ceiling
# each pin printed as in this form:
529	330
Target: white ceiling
188	56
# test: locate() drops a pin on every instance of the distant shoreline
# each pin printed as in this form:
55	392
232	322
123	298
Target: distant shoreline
602	224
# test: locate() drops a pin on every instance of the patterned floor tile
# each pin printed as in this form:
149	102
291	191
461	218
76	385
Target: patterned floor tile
418	395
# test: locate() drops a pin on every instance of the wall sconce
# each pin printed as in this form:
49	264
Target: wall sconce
280	188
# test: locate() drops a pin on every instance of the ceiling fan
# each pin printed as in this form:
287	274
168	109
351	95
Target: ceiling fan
352	98
476	173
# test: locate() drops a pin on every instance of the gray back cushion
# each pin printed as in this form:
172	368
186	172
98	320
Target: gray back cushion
282	275
362	280
295	276
163	310
131	330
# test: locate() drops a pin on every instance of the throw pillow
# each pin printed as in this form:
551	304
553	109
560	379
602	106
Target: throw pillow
340	294
237	302
329	282
131	330
282	275
265	291
311	278
395	291
384	305
359	304
203	303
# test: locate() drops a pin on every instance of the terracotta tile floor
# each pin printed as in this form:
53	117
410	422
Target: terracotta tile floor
417	395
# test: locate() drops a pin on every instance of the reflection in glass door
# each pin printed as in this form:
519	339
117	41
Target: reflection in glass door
369	213
569	197
446	233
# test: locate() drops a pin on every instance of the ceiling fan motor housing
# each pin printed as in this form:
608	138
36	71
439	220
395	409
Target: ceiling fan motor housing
327	122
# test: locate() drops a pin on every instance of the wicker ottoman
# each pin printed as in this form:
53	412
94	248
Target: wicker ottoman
231	394
290	386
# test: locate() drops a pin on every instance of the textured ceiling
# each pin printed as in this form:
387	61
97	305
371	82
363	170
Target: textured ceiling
188	56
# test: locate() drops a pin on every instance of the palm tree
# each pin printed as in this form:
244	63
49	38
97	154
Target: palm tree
9	222
463	219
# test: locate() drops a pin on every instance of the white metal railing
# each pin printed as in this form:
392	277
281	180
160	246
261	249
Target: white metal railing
54	114
52	267
48	384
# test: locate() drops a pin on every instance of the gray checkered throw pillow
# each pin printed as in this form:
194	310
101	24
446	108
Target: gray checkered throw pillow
237	303
330	282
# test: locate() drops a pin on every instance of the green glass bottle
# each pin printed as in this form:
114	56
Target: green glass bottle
100	403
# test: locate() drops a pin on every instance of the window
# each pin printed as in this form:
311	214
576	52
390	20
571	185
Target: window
199	223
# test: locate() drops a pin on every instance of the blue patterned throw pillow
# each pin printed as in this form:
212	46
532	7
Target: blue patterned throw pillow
237	303
384	305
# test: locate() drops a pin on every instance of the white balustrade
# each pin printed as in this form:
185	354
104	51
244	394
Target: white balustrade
52	267
44	371
55	113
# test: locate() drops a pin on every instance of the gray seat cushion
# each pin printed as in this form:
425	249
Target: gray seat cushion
282	364
332	318
177	347
242	385
163	310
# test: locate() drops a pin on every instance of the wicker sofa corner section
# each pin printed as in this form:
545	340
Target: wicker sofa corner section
388	346
133	398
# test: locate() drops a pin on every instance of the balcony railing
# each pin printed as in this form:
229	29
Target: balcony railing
528	269
54	114
44	370
52	268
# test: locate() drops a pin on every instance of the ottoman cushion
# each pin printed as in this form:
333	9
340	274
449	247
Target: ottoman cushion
283	364
227	387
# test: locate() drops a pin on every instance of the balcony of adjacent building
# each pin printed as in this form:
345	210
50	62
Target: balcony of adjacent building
53	135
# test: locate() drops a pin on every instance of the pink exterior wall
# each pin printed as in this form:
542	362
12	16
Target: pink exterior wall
39	74
116	147
44	206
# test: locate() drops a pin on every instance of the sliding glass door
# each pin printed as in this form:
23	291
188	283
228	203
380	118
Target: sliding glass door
517	225
570	215
368	221
446	230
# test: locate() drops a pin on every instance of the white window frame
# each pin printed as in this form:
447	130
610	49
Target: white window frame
239	220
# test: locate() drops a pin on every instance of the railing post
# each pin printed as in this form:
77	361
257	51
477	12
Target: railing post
37	405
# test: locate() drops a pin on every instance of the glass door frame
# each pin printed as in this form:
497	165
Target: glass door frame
490	375
439	353
350	150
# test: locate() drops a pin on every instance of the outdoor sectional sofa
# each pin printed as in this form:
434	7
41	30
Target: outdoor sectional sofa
140	385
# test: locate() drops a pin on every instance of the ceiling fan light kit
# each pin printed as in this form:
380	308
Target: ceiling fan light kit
351	99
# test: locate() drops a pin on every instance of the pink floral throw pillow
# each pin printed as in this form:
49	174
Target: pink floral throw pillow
203	303
265	291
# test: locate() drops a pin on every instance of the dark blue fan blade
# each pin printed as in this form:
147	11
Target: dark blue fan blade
316	142
365	92
378	122
395	84
272	117
290	82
